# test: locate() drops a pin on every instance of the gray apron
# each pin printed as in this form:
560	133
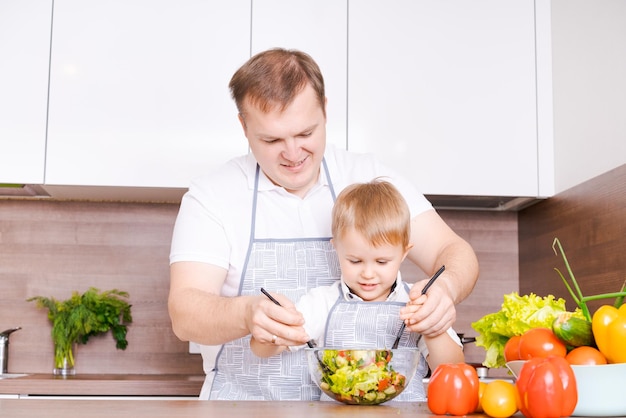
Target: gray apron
363	324
290	267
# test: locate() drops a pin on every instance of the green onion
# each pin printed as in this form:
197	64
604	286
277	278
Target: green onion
576	293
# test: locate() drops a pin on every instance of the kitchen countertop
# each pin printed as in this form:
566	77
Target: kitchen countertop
193	408
103	385
17	408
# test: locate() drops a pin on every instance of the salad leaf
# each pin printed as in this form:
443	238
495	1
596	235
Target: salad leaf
517	315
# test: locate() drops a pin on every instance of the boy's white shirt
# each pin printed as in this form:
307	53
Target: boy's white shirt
317	303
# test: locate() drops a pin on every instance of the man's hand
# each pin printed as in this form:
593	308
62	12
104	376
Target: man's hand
430	314
273	324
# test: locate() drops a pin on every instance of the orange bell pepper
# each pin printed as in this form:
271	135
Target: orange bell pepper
547	388
453	389
609	330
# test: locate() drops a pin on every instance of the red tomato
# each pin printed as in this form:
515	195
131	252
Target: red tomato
383	384
511	348
540	342
585	355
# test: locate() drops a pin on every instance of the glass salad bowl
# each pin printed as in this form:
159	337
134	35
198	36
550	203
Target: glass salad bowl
362	376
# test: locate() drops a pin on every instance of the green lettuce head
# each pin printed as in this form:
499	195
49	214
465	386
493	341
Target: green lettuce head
518	315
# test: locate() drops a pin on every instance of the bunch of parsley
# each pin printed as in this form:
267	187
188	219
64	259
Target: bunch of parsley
82	316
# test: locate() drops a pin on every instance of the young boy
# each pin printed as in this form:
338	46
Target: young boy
370	229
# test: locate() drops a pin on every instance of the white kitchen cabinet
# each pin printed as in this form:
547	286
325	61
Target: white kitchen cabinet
449	93
139	90
24	57
319	28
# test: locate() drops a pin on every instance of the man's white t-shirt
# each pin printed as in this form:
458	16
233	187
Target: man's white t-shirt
214	221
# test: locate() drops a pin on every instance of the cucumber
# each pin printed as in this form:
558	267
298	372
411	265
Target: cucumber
572	330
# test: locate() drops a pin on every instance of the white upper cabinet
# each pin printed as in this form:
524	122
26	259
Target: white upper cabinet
318	28
447	92
454	94
24	56
139	90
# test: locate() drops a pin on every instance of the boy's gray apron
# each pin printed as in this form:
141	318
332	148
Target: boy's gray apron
290	267
374	325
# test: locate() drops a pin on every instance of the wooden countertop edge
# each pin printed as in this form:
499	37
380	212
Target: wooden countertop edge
63	408
104	385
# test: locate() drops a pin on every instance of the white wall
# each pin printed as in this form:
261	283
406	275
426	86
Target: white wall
589	64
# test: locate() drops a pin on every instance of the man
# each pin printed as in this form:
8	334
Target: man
263	220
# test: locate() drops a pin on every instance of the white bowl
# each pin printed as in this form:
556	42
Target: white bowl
515	367
600	390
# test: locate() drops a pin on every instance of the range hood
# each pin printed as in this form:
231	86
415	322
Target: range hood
22	190
171	195
92	193
483	203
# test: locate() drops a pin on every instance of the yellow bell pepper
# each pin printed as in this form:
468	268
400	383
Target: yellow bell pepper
609	330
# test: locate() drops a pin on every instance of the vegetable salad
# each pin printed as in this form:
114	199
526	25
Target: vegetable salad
360	376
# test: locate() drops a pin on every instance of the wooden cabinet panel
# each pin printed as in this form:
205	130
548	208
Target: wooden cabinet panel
53	248
590	222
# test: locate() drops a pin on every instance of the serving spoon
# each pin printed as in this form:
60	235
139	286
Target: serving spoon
424	290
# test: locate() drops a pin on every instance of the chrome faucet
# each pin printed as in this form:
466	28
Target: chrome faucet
4	348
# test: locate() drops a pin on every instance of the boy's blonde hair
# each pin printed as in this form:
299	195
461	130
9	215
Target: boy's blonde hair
375	209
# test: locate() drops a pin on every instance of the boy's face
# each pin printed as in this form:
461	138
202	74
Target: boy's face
367	270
